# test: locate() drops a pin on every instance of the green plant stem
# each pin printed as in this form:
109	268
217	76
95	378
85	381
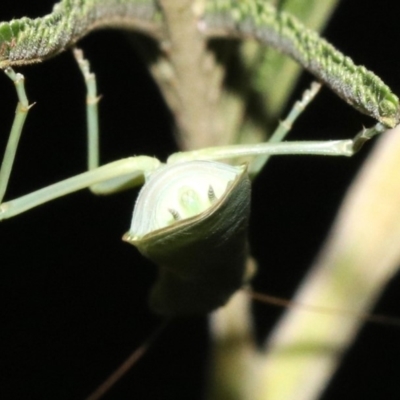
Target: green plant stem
361	254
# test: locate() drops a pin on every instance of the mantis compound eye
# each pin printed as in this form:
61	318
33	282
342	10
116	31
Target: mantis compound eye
191	220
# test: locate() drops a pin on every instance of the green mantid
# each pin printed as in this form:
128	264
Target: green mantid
381	104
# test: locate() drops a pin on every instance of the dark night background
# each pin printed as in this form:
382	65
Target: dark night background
73	295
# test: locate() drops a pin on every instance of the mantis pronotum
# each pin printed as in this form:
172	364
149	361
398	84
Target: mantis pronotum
52	242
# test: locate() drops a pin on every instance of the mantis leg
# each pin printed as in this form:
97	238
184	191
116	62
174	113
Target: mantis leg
92	117
285	126
19	120
263	151
134	167
345	148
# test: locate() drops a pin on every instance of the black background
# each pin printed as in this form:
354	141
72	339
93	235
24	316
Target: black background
73	295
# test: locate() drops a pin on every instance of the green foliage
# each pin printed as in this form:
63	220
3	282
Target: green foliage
260	20
25	41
